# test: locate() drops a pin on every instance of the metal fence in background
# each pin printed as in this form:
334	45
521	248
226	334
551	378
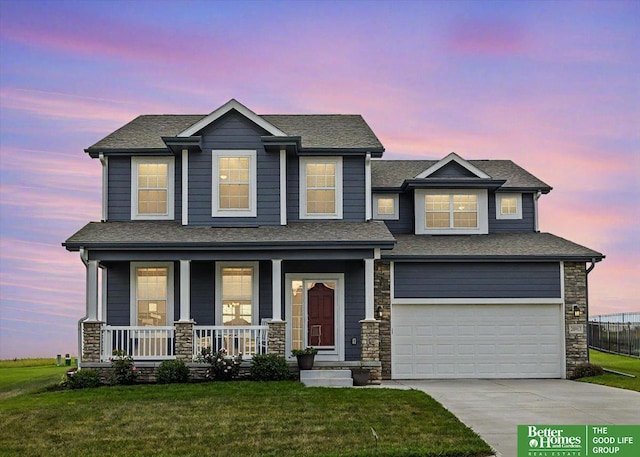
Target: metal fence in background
619	333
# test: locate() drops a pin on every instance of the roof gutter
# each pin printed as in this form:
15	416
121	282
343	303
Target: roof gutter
586	301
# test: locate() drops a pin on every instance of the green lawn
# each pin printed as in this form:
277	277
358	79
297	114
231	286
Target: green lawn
232	419
25	375
615	362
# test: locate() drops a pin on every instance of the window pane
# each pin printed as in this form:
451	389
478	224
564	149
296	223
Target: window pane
237	296
465	220
152	188
321	201
233	187
152	296
508	205
385	206
321	181
437	220
437	203
465	203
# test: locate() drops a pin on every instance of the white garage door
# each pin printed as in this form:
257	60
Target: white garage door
476	341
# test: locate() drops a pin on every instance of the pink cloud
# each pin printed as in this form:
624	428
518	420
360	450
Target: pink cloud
488	38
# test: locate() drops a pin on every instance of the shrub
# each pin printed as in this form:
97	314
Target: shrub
124	371
269	367
586	370
222	366
171	371
82	379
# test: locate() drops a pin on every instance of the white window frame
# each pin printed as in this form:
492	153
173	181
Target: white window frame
337	353
135	163
255	298
518	213
337	214
420	213
216	211
396	211
133	292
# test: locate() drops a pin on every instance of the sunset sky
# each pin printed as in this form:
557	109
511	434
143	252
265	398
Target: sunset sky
553	86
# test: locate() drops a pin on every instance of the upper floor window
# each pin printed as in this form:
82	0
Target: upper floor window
234	187
152	183
451	211
508	206
385	206
321	188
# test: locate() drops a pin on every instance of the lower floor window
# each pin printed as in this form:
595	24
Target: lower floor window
151	296
237	295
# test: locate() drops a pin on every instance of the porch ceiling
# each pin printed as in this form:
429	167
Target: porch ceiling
170	234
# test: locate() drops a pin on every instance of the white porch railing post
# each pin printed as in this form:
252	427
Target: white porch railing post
276	286
92	291
368	288
185	290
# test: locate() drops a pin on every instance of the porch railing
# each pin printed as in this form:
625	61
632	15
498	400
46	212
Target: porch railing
141	343
248	340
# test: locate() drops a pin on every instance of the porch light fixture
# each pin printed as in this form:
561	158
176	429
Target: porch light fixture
379	312
576	310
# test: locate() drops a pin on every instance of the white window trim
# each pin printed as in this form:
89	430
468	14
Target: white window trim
216	211
333	355
135	162
303	188
255	310
420	223
499	197
133	292
396	211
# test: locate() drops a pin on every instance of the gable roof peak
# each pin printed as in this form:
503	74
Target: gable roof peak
453	157
232	104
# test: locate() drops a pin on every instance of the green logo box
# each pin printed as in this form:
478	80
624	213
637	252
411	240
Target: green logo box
578	440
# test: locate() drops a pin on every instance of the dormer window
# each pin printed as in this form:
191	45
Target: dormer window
451	212
152	182
508	206
234	187
321	188
385	206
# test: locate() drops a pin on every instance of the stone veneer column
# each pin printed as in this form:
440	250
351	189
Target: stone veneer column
184	341
382	297
91	341
370	341
575	293
276	338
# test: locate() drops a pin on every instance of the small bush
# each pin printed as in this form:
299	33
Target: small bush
269	367
222	367
586	370
82	379
171	371
124	371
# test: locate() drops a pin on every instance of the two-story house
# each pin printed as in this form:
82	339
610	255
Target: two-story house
276	232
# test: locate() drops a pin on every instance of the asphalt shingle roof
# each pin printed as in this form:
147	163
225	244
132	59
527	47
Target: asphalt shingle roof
340	131
392	173
174	234
496	245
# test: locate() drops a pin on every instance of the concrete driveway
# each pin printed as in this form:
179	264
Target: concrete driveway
493	408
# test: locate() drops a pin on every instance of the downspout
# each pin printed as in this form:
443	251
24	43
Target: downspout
84	257
586	301
535	211
105	184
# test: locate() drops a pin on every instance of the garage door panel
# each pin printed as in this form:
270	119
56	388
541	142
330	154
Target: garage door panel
476	341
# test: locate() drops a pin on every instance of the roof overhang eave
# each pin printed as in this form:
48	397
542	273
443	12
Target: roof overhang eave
94	153
492	258
435	183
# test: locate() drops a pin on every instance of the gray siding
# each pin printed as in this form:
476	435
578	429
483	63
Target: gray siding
353	295
526	224
233	131
118	293
405	223
477	280
452	170
353	188
119	200
202	292
119	189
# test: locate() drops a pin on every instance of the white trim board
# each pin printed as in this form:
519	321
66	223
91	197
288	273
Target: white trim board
453	157
476	301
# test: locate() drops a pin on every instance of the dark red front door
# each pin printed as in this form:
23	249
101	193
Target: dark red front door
320	322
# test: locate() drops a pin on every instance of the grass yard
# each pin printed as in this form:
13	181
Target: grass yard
25	375
615	362
232	419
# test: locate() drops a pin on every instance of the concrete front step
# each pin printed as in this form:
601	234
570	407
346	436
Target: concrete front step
326	378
